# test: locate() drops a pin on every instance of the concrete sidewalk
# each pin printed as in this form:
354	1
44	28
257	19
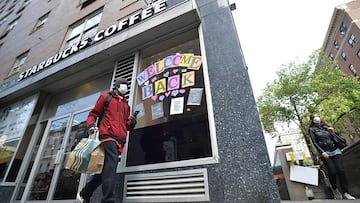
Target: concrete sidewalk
322	201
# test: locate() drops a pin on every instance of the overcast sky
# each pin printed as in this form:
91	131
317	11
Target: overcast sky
277	32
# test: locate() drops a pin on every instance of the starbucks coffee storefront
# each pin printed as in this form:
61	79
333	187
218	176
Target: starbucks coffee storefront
189	83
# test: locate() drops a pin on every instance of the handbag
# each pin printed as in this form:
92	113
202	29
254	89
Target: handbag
340	142
87	156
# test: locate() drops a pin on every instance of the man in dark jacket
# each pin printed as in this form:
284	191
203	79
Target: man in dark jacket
114	120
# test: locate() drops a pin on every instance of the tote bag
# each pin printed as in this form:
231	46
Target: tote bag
88	153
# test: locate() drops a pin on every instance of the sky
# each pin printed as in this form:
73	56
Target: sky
277	32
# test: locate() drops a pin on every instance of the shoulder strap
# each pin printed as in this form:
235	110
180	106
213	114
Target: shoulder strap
106	104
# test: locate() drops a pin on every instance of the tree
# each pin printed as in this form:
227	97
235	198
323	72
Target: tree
304	88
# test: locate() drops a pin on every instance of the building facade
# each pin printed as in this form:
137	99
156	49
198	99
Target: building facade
342	38
198	136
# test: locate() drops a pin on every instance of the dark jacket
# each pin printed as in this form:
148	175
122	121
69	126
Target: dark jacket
321	137
116	122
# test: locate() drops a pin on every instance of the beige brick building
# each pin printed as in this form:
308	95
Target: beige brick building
342	39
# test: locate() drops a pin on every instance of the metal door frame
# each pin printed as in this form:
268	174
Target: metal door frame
58	159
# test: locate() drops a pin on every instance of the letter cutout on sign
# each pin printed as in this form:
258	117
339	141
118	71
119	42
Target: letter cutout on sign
195	63
142	77
159	67
188	79
185	60
173	82
147	91
160	86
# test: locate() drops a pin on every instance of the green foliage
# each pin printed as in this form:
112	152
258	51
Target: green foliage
311	87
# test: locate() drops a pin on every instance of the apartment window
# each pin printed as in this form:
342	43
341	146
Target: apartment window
84	3
352	69
331	56
343	28
23	6
41	21
343	55
20	60
358	53
9	28
352	40
336	44
85	28
337	67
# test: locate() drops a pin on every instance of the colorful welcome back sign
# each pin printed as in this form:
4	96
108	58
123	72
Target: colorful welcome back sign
169	76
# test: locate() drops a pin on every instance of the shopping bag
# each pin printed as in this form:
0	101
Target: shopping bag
96	162
79	157
304	174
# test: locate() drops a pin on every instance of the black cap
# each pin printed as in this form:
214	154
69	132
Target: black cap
120	81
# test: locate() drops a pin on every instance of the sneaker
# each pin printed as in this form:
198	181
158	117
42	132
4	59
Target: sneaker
80	199
348	196
337	194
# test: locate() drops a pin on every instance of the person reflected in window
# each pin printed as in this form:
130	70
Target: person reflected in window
320	134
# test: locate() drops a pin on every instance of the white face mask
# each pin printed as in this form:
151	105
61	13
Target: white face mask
316	120
122	89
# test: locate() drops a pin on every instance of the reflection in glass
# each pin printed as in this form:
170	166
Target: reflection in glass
77	104
179	130
46	168
13	122
68	181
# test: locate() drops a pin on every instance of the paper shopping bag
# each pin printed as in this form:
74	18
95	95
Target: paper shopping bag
79	158
96	162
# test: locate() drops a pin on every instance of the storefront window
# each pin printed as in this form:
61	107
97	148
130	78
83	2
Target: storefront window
170	97
13	122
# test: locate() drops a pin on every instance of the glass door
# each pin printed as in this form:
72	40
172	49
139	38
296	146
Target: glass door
51	180
68	181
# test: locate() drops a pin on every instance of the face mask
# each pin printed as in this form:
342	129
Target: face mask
316	120
122	89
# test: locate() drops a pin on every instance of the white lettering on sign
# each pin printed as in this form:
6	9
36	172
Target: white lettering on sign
133	19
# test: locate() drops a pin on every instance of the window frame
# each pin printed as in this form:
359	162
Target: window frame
343	28
214	158
79	23
41	21
352	69
352	40
10	27
20	60
343	56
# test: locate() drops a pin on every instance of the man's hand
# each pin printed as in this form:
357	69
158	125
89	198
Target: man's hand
325	155
93	130
132	119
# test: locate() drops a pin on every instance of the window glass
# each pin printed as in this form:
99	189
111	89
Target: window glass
77	104
352	40
13	122
93	21
173	119
20	60
343	28
343	55
41	21
87	27
77	30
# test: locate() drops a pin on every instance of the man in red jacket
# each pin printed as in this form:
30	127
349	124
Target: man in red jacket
114	121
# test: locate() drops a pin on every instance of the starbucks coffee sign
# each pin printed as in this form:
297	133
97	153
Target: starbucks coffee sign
129	21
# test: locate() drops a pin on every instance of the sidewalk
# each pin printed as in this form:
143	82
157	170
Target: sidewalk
322	201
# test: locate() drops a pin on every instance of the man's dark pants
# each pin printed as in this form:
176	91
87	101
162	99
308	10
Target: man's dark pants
108	176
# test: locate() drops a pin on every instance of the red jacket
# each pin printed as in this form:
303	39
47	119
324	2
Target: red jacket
116	121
